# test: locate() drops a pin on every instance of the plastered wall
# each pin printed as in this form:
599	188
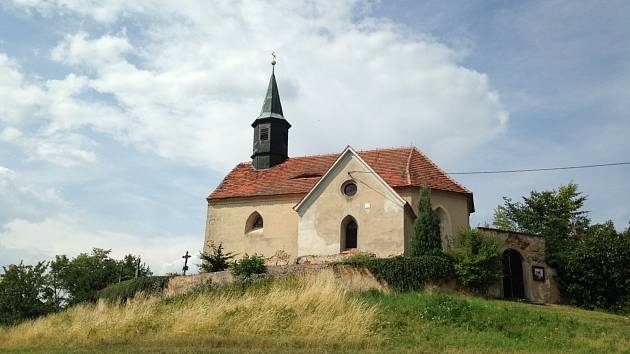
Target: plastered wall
226	224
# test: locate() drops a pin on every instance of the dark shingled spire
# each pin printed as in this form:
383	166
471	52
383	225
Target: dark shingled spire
271	130
272	108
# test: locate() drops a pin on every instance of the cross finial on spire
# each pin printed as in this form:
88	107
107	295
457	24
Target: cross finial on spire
273	58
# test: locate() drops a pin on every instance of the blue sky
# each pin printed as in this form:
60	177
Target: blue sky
118	118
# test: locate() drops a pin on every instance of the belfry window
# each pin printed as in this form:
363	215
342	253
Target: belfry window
264	133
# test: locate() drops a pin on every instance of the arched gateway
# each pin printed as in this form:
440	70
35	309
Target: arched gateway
513	285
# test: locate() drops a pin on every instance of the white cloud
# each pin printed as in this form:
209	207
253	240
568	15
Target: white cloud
25	200
199	70
66	234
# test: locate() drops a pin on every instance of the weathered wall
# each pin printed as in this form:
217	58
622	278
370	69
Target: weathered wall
226	223
532	249
379	214
455	206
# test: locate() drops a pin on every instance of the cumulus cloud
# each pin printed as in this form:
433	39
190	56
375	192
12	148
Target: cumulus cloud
189	84
67	234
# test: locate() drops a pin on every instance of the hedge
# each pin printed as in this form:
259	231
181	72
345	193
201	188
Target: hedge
120	292
405	273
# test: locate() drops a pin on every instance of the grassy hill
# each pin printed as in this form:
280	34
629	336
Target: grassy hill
315	314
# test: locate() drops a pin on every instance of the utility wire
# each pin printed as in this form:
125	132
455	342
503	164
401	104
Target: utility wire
540	169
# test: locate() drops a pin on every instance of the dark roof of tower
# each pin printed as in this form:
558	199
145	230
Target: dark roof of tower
272	108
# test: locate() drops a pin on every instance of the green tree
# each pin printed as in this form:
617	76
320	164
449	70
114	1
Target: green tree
595	269
426	228
216	259
556	215
24	293
501	221
477	261
127	268
86	274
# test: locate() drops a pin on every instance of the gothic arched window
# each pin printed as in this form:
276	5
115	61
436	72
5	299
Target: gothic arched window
254	222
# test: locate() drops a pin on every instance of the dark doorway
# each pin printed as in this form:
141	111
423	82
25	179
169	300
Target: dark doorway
351	235
513	286
348	233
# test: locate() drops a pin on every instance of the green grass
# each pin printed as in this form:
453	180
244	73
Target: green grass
457	323
315	315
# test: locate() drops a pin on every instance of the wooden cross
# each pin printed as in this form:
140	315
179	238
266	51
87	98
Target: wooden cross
185	257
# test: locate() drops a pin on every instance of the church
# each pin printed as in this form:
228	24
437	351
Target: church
295	209
352	201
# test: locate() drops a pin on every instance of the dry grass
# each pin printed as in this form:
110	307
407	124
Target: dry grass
309	309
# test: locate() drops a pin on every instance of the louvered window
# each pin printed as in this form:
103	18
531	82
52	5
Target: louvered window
264	133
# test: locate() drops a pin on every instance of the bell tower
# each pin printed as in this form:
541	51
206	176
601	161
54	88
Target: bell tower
271	130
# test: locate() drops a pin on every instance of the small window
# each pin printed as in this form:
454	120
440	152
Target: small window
349	188
254	222
264	133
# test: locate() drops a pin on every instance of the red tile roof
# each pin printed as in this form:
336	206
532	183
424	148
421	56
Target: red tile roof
399	167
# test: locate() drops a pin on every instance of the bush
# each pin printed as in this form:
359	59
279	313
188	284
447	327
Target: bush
127	289
478	262
594	270
215	260
247	266
405	273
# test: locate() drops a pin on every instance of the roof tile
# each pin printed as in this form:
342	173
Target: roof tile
399	167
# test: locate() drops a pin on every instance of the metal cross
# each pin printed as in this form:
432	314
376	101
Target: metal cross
185	257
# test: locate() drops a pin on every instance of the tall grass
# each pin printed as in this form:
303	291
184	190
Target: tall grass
308	309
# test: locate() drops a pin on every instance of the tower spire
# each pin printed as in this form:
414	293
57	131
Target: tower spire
271	130
272	108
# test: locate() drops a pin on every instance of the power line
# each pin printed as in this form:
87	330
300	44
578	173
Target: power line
540	169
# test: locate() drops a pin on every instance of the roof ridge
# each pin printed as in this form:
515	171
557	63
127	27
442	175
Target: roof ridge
441	170
408	170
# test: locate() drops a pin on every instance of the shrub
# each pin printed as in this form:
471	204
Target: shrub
120	292
478	262
426	228
594	270
215	260
405	273
247	266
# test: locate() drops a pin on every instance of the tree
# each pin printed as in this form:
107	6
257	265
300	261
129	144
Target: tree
595	271
501	221
556	215
215	260
127	268
56	280
86	274
478	261
24	293
426	228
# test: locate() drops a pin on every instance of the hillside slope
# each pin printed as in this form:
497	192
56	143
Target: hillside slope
314	314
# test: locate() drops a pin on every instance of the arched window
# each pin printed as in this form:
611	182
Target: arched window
446	232
254	222
349	233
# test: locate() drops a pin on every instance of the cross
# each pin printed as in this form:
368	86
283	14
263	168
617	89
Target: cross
185	257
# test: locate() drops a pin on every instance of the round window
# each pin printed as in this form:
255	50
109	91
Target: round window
349	189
